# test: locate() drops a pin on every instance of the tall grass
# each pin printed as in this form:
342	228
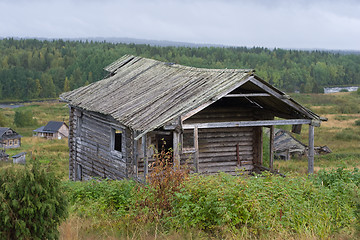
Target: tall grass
223	206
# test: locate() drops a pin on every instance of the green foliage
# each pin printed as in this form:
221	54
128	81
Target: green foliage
218	204
32	203
164	180
31	69
357	123
93	197
3	121
24	119
348	134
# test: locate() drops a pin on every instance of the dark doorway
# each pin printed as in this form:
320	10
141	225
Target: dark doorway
164	142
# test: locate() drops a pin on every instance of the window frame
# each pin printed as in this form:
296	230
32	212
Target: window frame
118	152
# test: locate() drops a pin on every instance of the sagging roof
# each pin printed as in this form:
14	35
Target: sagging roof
145	94
284	141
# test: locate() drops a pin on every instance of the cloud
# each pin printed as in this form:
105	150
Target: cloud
278	23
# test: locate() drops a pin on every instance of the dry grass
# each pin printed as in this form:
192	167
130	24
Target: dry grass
335	121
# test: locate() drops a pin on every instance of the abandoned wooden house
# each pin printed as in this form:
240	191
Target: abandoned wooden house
211	118
9	138
53	130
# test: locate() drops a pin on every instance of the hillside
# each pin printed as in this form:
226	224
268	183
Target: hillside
35	69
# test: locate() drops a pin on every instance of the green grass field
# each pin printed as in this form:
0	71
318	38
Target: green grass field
91	219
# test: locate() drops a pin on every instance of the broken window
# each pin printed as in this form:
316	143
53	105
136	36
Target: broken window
117	140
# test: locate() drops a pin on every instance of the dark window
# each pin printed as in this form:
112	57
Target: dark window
117	140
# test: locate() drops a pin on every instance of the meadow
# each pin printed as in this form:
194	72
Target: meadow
323	206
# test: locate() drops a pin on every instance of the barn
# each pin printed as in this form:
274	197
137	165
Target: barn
211	118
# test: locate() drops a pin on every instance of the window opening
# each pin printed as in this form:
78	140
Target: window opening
117	140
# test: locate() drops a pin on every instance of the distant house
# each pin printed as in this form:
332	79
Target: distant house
53	130
9	138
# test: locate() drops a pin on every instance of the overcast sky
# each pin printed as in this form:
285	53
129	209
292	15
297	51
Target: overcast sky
324	24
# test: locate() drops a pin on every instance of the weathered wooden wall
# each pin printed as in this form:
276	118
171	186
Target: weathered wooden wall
91	153
226	149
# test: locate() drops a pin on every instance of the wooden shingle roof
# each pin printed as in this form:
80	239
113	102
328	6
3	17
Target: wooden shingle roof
145	94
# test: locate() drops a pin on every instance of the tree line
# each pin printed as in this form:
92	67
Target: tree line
33	69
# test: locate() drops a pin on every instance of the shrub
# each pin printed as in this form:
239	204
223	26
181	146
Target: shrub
32	203
24	119
357	123
164	180
97	197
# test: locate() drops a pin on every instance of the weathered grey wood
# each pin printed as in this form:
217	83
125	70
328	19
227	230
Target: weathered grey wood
135	156
248	95
196	146
233	148
245	157
247	123
296	128
311	150
284	98
176	145
271	148
238	154
146	163
258	142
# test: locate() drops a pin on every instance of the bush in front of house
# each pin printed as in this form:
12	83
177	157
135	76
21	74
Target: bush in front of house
32	203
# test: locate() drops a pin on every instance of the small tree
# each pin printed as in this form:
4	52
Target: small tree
32	203
24	119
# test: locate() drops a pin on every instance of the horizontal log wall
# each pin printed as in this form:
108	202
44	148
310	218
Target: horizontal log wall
91	153
224	149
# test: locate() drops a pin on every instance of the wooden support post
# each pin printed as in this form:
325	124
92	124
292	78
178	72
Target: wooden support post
176	147
135	156
196	146
311	150
146	164
271	148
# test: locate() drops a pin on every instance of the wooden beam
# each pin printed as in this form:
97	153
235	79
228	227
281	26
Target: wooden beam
271	148
248	95
146	164
311	150
135	155
281	96
211	101
260	123
196	146
176	148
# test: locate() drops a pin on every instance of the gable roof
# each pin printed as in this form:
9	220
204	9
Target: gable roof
3	134
3	130
50	127
145	94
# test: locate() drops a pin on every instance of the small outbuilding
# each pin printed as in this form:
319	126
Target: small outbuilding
53	130
19	158
9	138
210	118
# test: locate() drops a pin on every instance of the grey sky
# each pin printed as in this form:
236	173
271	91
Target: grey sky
326	24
